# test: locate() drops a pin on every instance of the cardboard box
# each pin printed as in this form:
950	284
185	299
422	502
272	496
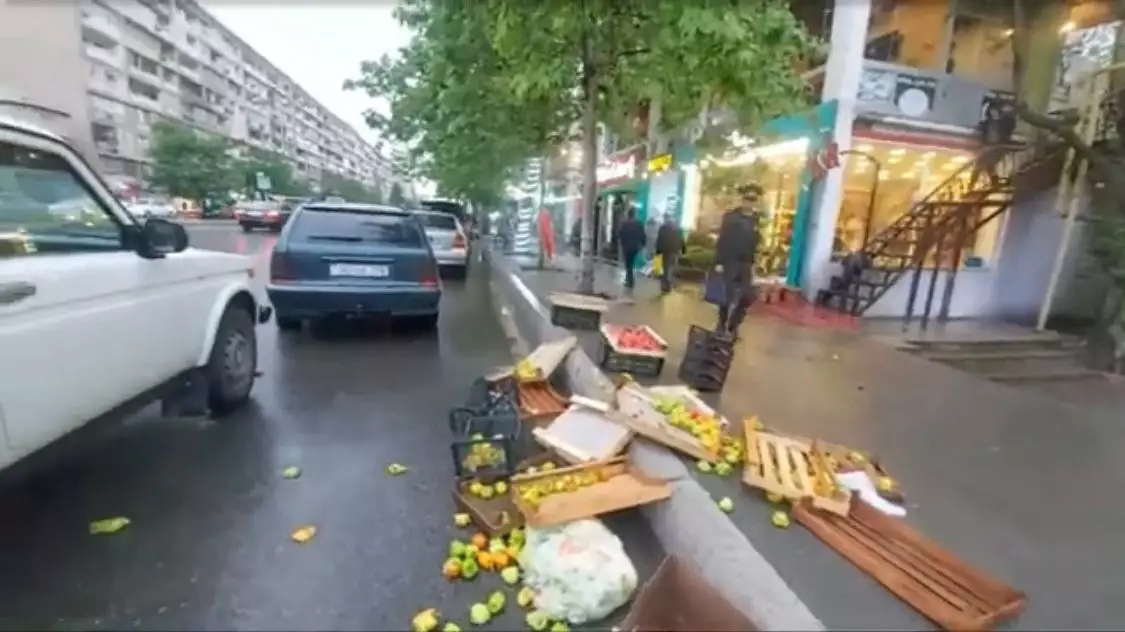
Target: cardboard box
678	599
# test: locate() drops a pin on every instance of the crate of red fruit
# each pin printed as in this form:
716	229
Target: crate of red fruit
634	349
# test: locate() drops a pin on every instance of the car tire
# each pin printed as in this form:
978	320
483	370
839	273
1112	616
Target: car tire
288	324
233	364
246	228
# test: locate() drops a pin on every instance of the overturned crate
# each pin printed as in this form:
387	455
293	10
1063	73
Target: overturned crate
678	599
577	311
584	491
793	469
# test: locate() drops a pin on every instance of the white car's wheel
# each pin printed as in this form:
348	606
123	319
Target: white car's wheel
234	362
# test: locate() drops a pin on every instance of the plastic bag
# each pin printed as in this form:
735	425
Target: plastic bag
657	265
579	571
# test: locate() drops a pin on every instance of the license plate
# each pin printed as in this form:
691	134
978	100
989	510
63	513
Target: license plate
356	270
253	213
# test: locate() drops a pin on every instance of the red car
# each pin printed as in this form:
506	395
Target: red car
262	214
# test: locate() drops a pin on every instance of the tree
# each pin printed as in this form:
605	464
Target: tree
350	190
276	168
396	198
1104	162
510	77
190	164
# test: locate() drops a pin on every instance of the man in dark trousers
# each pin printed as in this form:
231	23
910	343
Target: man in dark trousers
735	253
631	239
669	245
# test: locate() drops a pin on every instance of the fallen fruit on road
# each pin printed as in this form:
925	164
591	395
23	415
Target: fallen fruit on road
303	534
704	466
457	549
723	468
291	472
537	620
451	627
484	560
469	569
394	469
510	575
780	519
726	504
479	540
479	614
775	497
108	525
452	568
462	519
560	626
496	602
425	621
526	597
500	560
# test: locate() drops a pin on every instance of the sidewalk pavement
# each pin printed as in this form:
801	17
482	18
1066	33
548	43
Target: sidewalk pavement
1012	481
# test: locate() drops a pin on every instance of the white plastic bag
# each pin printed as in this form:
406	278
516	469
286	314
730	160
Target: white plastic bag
579	571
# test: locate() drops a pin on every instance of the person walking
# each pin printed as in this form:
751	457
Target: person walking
631	238
546	227
669	246
995	131
735	253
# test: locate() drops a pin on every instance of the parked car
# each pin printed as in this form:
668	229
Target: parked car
353	260
447	238
85	305
262	214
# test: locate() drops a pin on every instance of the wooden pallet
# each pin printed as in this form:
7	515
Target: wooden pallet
933	581
794	469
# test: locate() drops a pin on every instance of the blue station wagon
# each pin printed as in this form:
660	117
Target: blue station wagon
343	259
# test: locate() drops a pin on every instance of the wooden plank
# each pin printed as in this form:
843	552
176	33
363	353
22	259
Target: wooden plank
930	579
579	301
623	488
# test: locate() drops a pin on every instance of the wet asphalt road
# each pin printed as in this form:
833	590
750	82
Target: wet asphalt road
209	547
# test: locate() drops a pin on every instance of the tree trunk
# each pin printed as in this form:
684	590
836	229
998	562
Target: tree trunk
589	172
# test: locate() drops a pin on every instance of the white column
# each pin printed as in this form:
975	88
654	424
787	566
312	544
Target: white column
841	82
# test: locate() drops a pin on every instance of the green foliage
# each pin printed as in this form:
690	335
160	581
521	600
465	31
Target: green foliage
483	86
189	164
396	198
350	190
279	171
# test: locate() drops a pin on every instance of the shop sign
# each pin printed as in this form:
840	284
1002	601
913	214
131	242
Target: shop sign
914	94
660	162
618	169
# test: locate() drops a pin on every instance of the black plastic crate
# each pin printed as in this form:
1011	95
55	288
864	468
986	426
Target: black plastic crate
702	377
488	458
701	336
578	319
620	362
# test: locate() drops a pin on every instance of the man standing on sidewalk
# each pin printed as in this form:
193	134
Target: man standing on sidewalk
735	252
631	238
669	245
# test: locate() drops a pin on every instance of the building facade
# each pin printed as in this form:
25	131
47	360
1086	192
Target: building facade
119	66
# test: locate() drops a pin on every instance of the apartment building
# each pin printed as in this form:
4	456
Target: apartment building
141	61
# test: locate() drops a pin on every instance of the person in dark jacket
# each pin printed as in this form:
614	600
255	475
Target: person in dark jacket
995	131
735	252
631	238
669	245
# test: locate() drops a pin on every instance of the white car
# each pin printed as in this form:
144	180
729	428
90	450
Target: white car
147	208
448	240
105	312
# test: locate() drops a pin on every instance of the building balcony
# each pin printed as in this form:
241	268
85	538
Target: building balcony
898	93
114	57
102	24
138	13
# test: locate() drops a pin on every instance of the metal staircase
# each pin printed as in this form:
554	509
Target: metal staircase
934	231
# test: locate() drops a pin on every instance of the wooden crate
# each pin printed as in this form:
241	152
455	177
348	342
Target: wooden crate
840	456
621	487
577	311
933	581
496	516
620	359
635	410
548	356
793	469
540	403
584	433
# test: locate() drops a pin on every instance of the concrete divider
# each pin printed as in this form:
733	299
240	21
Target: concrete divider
689	524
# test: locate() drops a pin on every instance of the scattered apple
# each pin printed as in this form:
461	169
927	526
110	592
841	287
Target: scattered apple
425	621
704	466
726	504
780	519
462	519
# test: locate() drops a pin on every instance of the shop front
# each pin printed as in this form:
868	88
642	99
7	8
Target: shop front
621	185
779	166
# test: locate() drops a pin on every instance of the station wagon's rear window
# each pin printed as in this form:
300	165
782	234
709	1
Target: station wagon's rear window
344	226
441	222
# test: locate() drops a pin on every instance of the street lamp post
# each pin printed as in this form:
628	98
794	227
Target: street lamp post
874	190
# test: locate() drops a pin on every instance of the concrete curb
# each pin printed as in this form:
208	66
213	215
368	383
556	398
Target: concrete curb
688	525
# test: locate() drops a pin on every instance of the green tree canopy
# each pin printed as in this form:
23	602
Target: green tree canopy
483	86
190	164
350	190
276	168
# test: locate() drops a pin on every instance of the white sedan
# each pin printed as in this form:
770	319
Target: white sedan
152	208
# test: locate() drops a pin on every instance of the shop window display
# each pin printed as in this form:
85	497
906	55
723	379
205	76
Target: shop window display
907	174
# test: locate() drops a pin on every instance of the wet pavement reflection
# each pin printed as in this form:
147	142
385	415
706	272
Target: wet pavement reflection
208	546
